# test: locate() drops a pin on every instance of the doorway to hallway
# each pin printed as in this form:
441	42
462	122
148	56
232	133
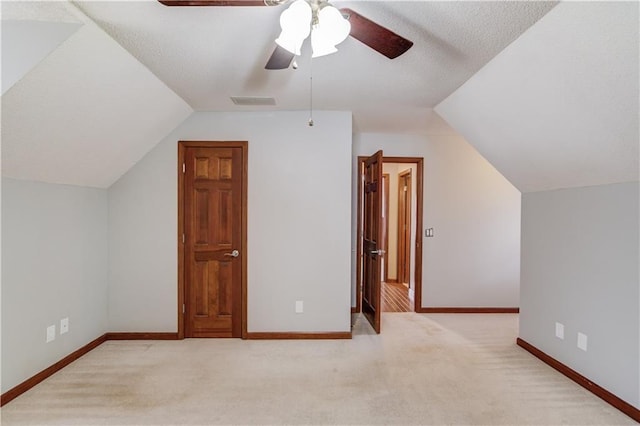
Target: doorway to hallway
401	219
399	211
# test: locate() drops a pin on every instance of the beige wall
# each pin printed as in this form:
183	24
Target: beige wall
392	256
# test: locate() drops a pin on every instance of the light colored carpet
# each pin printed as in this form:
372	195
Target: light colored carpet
423	369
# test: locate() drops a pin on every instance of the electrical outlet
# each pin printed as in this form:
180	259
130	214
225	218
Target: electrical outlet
51	333
582	341
64	325
299	307
560	331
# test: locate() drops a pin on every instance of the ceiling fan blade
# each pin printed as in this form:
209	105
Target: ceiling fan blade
376	36
213	2
280	59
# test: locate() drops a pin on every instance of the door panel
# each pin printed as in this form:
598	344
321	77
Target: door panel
385	225
372	241
213	185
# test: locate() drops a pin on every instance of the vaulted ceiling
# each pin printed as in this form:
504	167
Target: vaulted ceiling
207	54
559	108
88	111
105	81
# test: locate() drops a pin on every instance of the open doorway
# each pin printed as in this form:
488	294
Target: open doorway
402	186
400	202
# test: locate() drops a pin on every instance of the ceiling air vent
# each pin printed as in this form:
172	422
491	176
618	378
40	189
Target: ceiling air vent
253	100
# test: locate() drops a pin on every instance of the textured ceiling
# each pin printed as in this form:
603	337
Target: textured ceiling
30	31
86	113
559	107
49	11
26	43
207	54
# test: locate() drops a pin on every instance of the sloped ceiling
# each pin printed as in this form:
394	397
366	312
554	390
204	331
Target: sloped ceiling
30	31
558	108
207	54
87	112
26	43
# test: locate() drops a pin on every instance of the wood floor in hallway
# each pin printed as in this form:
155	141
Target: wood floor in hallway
395	298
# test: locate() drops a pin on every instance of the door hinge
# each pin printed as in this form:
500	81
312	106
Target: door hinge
184	167
184	308
183	239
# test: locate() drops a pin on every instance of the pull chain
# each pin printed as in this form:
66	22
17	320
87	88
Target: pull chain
311	93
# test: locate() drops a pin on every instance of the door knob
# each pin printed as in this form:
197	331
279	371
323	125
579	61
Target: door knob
378	252
234	253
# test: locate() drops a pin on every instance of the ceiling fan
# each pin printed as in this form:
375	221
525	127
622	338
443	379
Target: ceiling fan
377	37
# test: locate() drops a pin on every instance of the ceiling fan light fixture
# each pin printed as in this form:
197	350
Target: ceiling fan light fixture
296	26
320	45
326	24
331	30
333	24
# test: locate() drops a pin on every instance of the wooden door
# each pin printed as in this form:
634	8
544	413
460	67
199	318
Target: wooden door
213	243
385	224
404	227
372	246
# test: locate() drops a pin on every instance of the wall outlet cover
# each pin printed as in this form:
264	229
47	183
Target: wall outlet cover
299	307
560	331
582	341
51	333
64	325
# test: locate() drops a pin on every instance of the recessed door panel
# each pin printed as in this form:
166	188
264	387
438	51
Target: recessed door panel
224	237
201	211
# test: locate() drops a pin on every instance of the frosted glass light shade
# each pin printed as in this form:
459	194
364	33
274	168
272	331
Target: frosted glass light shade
332	29
296	26
320	45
